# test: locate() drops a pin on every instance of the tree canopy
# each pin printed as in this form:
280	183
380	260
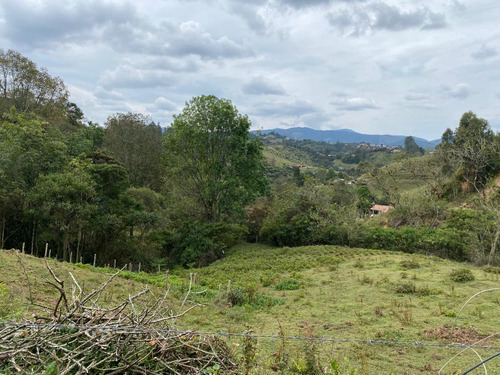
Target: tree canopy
209	148
411	147
136	141
470	150
33	90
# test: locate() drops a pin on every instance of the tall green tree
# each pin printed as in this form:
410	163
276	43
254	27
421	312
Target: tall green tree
411	147
213	158
86	140
136	142
64	203
31	90
470	150
29	147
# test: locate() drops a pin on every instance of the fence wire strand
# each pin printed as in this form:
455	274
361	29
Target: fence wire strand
131	330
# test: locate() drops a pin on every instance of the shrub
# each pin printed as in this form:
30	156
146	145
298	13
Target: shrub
492	269
426	291
4	301
265	301
288	285
237	296
462	275
199	244
406	288
267	279
410	264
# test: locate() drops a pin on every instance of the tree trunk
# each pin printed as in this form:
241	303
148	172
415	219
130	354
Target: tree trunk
2	234
493	247
77	259
33	238
66	245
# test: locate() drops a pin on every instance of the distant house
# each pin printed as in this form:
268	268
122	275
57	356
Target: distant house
379	209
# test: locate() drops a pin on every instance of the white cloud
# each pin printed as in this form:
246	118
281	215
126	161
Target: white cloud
484	52
420	100
355	104
459	91
164	104
260	85
296	108
378	15
37	23
127	76
283	62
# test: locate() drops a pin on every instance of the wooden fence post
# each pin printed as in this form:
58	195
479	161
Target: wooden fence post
228	290
166	280
46	249
24	244
95	258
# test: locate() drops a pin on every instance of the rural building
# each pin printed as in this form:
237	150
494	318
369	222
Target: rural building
379	209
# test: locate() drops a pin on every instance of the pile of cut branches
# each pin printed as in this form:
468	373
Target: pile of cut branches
80	337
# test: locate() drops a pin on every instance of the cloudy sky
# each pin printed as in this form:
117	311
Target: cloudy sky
375	66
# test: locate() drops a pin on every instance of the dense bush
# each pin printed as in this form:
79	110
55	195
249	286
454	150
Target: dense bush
198	244
237	296
462	275
406	288
415	211
409	264
240	297
302	230
441	242
492	269
288	285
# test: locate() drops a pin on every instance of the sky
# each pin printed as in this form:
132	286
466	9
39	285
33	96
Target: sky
373	66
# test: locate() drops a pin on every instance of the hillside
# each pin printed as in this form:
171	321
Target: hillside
348	296
282	151
349	136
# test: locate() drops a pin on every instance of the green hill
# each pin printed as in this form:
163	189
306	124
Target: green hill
281	151
345	296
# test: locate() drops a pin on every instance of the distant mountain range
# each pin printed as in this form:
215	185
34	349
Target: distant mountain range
349	136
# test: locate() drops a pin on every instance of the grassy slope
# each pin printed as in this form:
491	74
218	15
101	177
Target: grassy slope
279	155
402	178
344	293
15	290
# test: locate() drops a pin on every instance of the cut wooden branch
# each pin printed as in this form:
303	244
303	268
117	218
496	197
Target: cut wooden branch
88	338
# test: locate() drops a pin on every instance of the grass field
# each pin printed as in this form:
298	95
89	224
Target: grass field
280	156
322	291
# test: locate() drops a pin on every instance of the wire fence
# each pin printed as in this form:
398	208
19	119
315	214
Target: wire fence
131	330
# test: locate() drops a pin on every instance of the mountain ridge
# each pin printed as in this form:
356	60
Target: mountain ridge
348	136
